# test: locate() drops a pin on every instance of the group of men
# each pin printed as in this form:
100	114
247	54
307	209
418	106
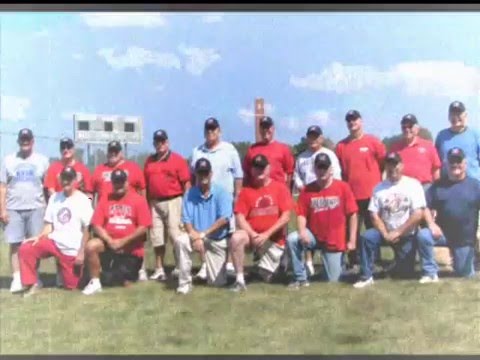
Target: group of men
222	207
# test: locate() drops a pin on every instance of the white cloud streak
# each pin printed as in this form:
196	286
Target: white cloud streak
124	19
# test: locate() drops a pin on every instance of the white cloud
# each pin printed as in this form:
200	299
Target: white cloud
137	57
13	108
318	117
78	56
247	115
291	123
434	78
124	19
198	59
212	18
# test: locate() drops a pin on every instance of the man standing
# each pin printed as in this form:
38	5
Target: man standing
206	213
53	181
325	206
419	156
396	208
64	235
22	198
361	156
167	176
305	171
226	170
453	204
120	220
262	213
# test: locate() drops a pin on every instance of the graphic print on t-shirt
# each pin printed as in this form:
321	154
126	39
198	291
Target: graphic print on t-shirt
25	173
64	215
318	204
119	215
395	204
264	206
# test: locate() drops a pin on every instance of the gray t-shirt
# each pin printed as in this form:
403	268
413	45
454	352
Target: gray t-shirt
24	180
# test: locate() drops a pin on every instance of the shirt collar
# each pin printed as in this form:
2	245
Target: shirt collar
166	157
204	147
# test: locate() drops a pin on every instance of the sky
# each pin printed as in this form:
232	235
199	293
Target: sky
174	70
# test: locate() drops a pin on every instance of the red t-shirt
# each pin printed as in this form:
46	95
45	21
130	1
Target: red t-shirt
83	182
420	159
166	177
282	162
263	206
101	177
360	160
121	217
326	212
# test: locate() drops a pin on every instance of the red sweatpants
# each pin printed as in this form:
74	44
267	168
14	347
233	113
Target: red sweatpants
29	255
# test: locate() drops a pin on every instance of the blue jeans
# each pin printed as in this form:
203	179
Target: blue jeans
404	250
463	257
332	261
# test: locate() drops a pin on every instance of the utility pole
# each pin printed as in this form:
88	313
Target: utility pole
259	113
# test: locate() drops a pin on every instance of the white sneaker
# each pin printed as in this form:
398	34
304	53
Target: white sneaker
159	275
142	275
31	291
16	284
310	269
202	273
230	270
94	286
59	280
428	279
363	283
184	289
175	272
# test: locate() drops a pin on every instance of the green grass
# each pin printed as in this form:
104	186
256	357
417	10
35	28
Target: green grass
149	318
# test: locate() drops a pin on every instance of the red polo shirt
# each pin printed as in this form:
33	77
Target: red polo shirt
361	160
282	162
83	182
165	177
420	159
101	177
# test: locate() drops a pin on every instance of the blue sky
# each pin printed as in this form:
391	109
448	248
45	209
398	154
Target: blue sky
176	69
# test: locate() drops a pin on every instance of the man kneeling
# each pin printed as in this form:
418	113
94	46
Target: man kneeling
323	209
206	211
64	235
120	221
262	213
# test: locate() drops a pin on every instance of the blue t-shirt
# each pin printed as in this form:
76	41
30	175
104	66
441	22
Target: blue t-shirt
203	212
468	141
457	205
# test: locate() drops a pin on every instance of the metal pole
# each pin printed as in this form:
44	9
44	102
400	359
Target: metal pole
126	151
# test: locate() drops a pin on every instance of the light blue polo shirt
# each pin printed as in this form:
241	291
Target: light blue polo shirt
226	164
468	141
203	212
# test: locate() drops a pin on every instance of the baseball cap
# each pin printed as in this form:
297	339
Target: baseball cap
118	176
314	129
66	143
266	122
25	134
352	115
455	155
393	158
211	124
68	174
456	107
203	166
322	160
160	135
409	119
114	146
260	161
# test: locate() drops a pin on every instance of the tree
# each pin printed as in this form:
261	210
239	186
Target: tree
302	145
423	133
242	147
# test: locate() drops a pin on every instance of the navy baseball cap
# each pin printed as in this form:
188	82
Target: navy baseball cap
456	107
352	115
455	155
260	161
203	166
118	176
266	122
211	124
68	174
25	134
409	119
393	158
160	135
322	160
66	143
314	129
114	146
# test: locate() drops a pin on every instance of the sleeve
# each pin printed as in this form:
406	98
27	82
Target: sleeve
193	160
302	204
297	180
436	163
241	206
224	205
140	178
187	208
337	170
380	151
430	197
87	212
99	214
3	172
95	182
288	161
46	165
286	202
339	154
49	215
236	164
418	196
374	204
349	199
183	172
49	181
246	166
143	212
87	179
438	145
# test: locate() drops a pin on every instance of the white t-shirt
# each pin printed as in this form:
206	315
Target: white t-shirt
395	203
304	167
68	216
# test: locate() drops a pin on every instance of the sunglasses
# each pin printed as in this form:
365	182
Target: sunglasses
66	147
322	167
349	120
405	127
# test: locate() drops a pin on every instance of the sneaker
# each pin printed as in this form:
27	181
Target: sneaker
230	270
16	284
428	279
184	289
159	275
32	290
310	269
142	275
265	275
59	280
238	287
202	273
363	283
296	285
175	272
94	286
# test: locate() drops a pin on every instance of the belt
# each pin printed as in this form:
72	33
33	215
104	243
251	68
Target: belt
166	198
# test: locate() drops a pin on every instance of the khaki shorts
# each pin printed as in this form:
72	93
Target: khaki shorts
166	221
271	256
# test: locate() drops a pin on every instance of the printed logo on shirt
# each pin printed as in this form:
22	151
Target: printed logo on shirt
264	206
25	173
364	149
396	204
324	203
119	214
64	215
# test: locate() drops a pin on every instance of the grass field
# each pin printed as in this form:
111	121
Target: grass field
400	317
